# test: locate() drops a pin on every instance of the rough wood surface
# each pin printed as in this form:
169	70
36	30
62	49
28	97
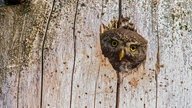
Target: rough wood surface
21	35
50	55
59	55
175	54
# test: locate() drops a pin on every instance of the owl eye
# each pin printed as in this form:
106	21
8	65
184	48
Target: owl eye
133	48
114	43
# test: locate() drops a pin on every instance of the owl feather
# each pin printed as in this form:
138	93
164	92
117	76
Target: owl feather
124	48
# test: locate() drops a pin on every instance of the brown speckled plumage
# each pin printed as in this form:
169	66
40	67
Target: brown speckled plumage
125	39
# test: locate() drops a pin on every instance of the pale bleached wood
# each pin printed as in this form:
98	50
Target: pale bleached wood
95	87
175	77
85	77
92	81
107	78
21	35
138	89
59	56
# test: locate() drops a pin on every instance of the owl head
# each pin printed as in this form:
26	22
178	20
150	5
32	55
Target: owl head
124	48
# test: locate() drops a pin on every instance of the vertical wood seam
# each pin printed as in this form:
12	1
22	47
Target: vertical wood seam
120	14
157	71
42	59
118	74
96	87
74	60
157	65
118	90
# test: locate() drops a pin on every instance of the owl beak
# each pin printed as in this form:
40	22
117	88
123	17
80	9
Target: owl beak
121	55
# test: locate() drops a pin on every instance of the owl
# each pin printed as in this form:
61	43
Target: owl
124	48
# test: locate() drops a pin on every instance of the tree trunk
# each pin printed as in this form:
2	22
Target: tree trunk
50	55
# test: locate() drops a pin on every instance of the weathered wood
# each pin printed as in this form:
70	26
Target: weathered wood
107	78
138	89
90	85
21	35
175	35
75	73
59	55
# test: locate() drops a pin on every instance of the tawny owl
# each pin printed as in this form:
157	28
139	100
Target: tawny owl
124	48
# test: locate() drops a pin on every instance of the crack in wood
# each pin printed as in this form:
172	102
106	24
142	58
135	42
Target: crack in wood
118	91
118	74
43	47
74	60
157	67
120	14
96	87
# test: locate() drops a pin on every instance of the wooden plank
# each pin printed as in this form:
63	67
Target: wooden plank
75	73
21	35
90	82
107	78
8	67
175	33
88	53
138	89
59	56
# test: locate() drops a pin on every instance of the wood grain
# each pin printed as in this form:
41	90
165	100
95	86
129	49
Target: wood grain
174	30
50	55
21	36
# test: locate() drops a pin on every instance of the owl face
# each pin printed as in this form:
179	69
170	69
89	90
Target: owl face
124	48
